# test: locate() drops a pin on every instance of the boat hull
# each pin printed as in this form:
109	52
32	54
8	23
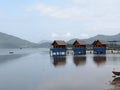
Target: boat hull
116	73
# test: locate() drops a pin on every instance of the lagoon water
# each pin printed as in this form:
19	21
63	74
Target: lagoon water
34	69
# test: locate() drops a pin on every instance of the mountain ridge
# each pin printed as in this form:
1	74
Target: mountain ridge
99	37
9	41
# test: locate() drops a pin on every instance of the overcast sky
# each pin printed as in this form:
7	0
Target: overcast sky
37	20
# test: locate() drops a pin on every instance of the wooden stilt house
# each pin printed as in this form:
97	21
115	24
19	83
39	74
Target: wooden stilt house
99	47
58	47
79	47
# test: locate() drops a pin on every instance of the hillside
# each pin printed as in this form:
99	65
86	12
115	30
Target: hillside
88	41
45	43
9	41
104	37
99	37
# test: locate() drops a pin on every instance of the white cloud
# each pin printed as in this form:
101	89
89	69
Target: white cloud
43	9
96	16
55	12
54	35
65	36
67	13
68	36
85	9
100	8
83	35
105	27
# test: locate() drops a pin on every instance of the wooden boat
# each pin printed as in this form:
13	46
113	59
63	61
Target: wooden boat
116	73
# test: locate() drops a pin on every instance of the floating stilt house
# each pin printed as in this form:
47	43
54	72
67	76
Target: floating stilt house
99	47
79	47
58	48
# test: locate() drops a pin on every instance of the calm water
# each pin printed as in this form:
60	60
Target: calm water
34	69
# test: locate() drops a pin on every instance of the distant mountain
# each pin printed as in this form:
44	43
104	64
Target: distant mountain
103	37
45	45
72	40
45	41
99	37
9	41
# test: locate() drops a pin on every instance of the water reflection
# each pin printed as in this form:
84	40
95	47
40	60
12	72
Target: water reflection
35	72
114	58
59	60
116	83
79	60
99	60
7	58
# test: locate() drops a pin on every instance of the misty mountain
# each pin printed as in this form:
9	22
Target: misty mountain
99	37
45	41
88	41
45	45
9	41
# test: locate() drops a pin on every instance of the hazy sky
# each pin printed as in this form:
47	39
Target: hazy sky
37	20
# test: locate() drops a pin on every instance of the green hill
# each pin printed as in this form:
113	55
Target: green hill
9	41
100	37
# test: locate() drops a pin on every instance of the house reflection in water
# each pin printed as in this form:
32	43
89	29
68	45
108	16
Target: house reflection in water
79	60
99	60
59	60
